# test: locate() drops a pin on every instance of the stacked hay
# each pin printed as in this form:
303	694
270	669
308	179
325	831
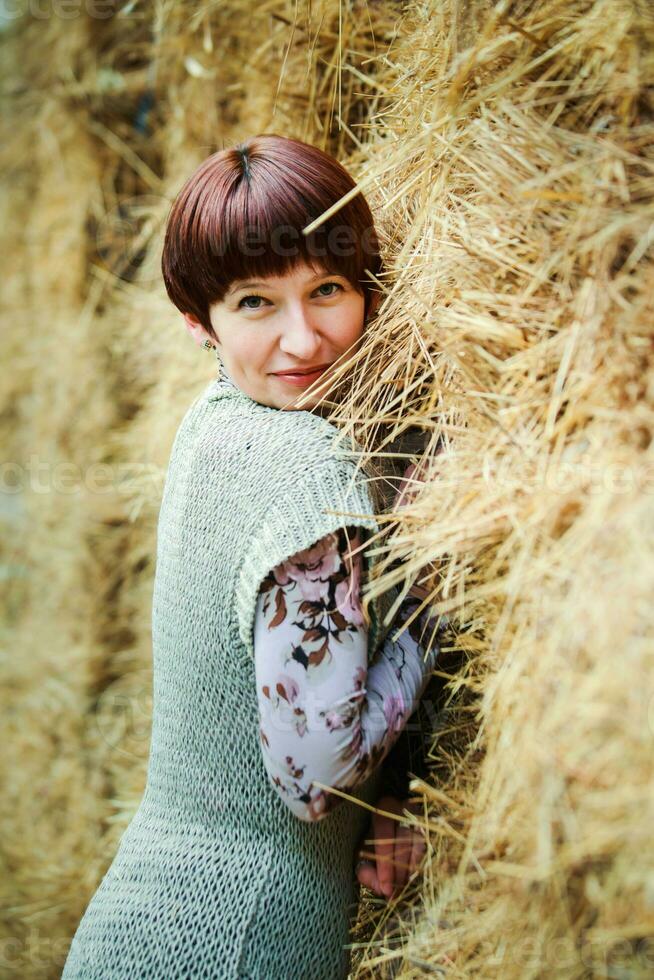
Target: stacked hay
519	325
507	152
56	407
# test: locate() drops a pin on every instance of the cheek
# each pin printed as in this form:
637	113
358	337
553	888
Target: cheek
352	322
250	351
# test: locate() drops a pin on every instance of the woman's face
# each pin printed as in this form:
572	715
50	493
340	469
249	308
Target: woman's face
285	324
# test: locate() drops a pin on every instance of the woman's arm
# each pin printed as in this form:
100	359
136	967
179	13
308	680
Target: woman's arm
325	715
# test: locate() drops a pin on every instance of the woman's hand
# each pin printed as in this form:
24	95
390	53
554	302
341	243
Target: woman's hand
396	852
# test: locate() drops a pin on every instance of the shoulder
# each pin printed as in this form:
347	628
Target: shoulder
295	441
296	428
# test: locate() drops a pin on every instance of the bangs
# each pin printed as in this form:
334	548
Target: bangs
262	235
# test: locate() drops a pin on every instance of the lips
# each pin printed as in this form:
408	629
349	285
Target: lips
312	370
301	380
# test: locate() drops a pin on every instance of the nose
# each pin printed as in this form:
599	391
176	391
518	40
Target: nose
300	338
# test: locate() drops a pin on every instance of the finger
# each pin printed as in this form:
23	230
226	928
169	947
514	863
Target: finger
410	844
384	842
418	840
403	848
366	869
367	875
418	850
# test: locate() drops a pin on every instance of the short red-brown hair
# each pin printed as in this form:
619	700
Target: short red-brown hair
270	186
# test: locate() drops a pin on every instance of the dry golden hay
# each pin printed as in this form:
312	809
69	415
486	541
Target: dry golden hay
524	290
507	150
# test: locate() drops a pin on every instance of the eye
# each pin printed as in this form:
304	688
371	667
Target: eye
251	296
322	285
242	301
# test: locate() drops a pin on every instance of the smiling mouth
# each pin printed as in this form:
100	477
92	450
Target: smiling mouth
315	370
303	379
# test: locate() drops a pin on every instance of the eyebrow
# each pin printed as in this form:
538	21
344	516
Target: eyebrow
235	287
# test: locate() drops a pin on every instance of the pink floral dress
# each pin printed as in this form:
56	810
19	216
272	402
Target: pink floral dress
327	719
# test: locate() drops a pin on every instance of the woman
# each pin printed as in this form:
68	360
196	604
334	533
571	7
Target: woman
272	683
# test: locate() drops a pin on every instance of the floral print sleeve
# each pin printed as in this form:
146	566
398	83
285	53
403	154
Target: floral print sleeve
325	715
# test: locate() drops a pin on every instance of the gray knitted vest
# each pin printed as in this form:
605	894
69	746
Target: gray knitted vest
214	876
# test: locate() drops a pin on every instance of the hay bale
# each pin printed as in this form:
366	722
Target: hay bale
523	296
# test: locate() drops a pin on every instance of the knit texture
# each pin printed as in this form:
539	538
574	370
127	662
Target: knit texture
214	876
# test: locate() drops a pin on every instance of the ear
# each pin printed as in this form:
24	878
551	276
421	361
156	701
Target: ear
375	299
196	330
